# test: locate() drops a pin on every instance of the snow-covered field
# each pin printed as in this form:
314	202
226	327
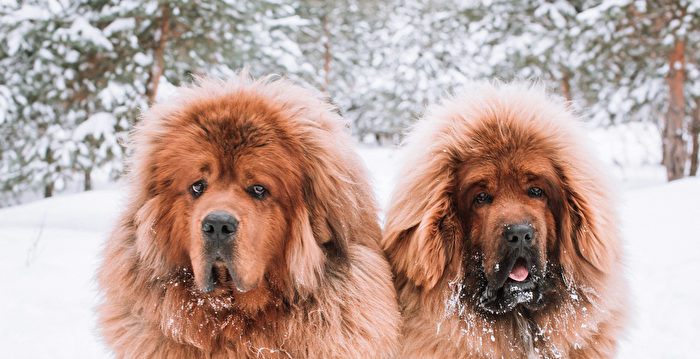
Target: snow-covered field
49	253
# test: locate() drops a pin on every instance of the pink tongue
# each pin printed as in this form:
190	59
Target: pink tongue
519	273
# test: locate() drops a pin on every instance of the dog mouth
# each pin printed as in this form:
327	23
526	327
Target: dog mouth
520	272
219	272
514	282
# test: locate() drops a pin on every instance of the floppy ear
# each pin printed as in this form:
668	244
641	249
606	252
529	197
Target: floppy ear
151	226
587	228
422	228
323	226
305	259
333	208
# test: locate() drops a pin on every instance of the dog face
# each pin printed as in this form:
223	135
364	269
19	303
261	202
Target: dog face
235	191
501	231
240	219
248	210
509	223
500	197
228	196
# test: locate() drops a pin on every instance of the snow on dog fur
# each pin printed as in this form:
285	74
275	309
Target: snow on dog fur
250	231
502	234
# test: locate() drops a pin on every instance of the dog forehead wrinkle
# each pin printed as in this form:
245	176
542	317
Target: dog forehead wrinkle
238	130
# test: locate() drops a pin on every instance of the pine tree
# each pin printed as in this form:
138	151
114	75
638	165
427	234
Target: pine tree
643	47
335	42
693	83
39	119
79	73
172	41
418	55
620	60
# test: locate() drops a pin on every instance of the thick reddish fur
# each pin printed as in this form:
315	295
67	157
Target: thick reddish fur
324	287
496	130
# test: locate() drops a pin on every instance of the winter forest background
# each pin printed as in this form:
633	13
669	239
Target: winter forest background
75	74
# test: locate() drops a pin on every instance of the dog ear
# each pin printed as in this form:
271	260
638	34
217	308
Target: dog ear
304	257
421	228
329	217
152	226
587	226
333	209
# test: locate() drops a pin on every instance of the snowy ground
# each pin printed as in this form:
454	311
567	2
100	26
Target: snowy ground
49	252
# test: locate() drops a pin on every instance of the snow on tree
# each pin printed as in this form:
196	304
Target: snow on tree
77	74
533	39
335	42
172	41
643	48
619	60
37	134
70	64
416	56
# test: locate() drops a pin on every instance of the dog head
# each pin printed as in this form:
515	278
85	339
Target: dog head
500	192
238	182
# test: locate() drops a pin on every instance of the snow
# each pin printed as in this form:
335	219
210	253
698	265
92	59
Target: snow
631	151
663	255
50	252
142	59
82	30
49	256
294	20
596	12
30	12
119	25
98	124
4	102
165	90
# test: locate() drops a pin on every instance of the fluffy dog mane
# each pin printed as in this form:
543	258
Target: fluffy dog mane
323	305
423	237
338	186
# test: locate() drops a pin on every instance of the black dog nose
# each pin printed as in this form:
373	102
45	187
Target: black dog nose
518	235
219	226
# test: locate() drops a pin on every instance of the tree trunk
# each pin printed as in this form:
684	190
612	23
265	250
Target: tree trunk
675	152
327	52
157	71
88	180
48	186
694	132
566	87
48	190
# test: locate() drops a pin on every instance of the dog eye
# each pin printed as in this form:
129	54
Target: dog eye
535	192
482	198
257	191
198	188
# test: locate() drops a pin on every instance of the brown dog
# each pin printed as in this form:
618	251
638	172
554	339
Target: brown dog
502	234
251	231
